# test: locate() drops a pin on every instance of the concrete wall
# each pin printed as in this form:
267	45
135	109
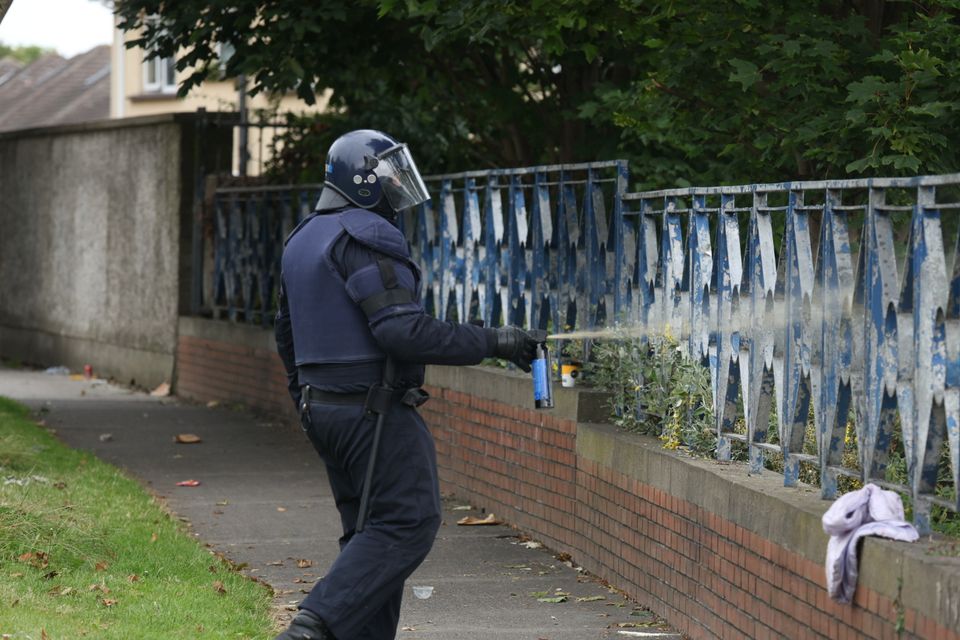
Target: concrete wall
717	552
97	227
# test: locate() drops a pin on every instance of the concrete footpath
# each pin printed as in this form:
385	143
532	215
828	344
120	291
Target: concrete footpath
263	501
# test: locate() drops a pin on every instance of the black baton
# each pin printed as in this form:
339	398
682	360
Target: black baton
378	401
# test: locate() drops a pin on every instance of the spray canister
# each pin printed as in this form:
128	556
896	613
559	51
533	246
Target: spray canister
542	375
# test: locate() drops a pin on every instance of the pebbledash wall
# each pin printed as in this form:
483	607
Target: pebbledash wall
98	221
718	553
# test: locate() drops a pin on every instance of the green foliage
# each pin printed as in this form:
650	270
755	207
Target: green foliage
656	390
26	55
724	92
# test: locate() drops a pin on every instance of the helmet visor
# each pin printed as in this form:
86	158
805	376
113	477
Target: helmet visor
399	178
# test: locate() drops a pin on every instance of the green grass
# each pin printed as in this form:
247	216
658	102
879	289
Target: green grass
86	552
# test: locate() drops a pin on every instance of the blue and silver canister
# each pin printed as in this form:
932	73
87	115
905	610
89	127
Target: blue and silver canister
542	376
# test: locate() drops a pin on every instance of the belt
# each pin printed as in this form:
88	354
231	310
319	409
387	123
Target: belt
376	399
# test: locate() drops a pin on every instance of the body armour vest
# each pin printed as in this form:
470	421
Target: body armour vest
329	327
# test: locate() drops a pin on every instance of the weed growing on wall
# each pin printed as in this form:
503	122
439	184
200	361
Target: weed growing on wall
656	390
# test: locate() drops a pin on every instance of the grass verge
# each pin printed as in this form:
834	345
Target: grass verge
86	552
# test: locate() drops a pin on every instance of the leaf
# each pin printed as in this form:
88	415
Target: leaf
591	599
218	587
553	599
472	521
162	390
100	566
745	72
37	559
868	89
304	563
187	438
108	602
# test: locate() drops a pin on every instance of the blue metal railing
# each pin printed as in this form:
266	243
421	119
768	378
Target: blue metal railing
812	297
829	323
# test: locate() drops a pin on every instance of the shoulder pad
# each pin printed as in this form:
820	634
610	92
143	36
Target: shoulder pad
300	226
372	230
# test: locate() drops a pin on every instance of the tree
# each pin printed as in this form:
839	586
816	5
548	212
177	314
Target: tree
26	55
719	92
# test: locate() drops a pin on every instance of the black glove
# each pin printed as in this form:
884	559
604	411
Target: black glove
515	345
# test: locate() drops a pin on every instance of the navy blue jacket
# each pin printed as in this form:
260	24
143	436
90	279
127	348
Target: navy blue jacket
349	297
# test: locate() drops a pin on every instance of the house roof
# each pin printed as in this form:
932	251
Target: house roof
53	90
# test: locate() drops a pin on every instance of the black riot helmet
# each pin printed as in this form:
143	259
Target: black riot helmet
366	166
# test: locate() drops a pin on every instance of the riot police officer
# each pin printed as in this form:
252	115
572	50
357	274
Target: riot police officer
354	340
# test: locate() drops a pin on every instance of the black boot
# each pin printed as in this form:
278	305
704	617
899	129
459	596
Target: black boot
306	625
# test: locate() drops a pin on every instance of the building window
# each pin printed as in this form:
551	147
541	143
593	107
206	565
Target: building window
159	76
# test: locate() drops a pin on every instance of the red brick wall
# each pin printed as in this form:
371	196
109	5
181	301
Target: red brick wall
637	516
223	364
705	574
521	460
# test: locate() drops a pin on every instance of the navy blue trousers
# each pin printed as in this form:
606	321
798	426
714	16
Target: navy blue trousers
359	598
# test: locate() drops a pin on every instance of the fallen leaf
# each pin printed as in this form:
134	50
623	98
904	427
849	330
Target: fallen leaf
462	507
281	509
108	602
51	575
531	545
187	438
16	575
133	578
106	437
100	566
591	599
553	599
223	503
102	588
162	390
218	587
38	559
43	634
304	564
188	483
408	629
212	404
153	537
276	563
471	521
